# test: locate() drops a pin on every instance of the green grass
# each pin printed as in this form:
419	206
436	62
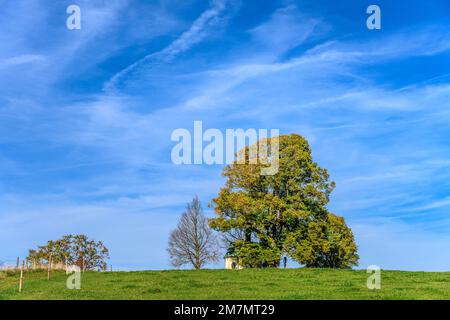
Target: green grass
229	284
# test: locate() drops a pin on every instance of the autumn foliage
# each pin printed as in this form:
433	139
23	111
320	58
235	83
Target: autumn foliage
264	218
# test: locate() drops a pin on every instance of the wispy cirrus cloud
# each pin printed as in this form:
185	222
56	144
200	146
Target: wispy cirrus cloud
328	60
287	28
200	29
21	59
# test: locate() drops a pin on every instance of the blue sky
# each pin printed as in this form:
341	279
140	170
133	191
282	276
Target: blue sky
86	116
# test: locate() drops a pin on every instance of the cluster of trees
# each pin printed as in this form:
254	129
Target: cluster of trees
71	250
264	219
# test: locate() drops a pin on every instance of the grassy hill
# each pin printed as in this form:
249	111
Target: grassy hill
227	284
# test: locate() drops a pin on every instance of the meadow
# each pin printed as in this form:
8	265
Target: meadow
228	284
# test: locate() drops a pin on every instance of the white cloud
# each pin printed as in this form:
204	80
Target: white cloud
197	32
286	29
21	59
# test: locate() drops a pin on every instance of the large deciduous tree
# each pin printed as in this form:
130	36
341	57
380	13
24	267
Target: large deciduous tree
264	217
192	242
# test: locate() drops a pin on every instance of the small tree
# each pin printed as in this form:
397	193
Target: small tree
192	242
76	250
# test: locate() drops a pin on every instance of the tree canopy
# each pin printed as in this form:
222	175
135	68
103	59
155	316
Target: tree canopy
76	250
264	217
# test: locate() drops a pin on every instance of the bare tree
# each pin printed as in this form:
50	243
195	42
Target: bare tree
192	242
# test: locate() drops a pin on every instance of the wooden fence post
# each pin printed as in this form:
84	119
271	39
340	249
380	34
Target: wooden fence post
49	268
21	277
17	264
